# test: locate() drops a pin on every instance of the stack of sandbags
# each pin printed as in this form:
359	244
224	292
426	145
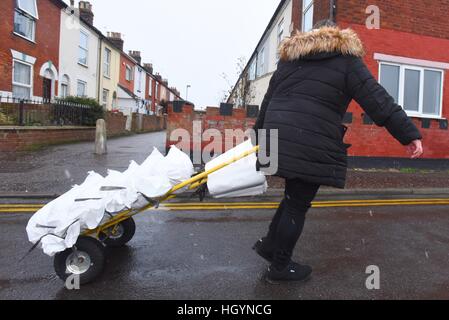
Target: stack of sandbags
58	225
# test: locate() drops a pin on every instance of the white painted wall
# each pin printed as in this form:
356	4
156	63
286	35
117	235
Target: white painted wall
71	26
269	46
140	83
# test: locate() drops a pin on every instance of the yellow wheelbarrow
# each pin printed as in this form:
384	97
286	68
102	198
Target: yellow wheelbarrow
87	257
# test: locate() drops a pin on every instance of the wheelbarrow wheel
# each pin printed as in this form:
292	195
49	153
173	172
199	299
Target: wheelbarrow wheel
86	260
120	234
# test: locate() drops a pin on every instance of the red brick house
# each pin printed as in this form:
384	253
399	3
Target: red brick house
29	48
408	54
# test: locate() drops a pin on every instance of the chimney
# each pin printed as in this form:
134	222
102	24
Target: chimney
86	13
148	67
136	56
116	39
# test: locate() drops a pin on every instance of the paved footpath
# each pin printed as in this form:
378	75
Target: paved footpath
54	170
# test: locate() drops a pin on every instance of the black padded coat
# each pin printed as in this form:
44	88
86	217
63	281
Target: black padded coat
319	74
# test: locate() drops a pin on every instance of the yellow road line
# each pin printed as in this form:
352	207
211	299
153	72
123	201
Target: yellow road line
263	205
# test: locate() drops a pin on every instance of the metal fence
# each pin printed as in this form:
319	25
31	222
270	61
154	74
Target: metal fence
24	112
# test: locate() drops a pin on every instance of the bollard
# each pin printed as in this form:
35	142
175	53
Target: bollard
101	138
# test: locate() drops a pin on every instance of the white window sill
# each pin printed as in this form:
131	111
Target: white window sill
424	116
107	77
25	38
83	65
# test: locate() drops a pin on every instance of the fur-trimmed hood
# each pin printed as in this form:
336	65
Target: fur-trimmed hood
323	40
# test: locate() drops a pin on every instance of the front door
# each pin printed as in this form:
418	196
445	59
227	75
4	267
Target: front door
46	90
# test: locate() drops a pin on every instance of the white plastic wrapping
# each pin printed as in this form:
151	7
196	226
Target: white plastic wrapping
240	179
58	224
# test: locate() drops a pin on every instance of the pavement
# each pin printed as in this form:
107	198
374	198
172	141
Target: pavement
188	250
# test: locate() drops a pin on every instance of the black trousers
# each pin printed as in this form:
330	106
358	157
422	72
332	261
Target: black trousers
288	222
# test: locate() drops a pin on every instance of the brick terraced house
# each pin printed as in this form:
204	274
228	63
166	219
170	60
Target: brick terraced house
408	54
29	48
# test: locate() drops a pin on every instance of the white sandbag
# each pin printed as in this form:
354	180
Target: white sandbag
178	166
240	179
59	224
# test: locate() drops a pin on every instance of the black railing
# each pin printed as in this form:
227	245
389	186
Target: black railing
42	112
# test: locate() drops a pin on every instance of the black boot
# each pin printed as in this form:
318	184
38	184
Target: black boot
265	249
294	272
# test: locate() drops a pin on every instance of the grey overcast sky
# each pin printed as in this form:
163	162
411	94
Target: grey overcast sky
189	41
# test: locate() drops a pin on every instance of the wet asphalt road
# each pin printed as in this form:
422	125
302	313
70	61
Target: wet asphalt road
55	170
207	255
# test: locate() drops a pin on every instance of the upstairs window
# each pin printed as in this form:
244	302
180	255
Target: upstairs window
252	71
261	63
128	73
25	17
107	63
418	89
28	6
307	15
83	48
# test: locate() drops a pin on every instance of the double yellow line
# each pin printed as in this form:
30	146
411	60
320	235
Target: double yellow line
32	208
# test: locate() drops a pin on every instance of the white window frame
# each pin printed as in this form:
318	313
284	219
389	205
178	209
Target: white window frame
84	48
105	103
18	4
30	86
33	34
85	88
65	81
130	77
402	68
139	85
261	63
306	10
107	63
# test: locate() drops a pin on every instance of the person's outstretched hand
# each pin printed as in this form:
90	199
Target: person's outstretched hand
415	149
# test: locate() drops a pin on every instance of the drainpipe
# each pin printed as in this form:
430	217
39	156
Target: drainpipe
332	10
99	95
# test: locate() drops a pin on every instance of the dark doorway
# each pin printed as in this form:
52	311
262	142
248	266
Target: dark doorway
46	90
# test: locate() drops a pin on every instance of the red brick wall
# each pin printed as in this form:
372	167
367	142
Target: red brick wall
369	140
414	16
145	123
45	49
209	119
124	60
115	124
27	138
20	139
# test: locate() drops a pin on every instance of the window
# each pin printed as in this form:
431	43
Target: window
129	73
83	48
107	63
24	25
22	80
419	90
307	15
252	70
65	83
28	6
139	84
81	89
280	31
105	97
261	63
